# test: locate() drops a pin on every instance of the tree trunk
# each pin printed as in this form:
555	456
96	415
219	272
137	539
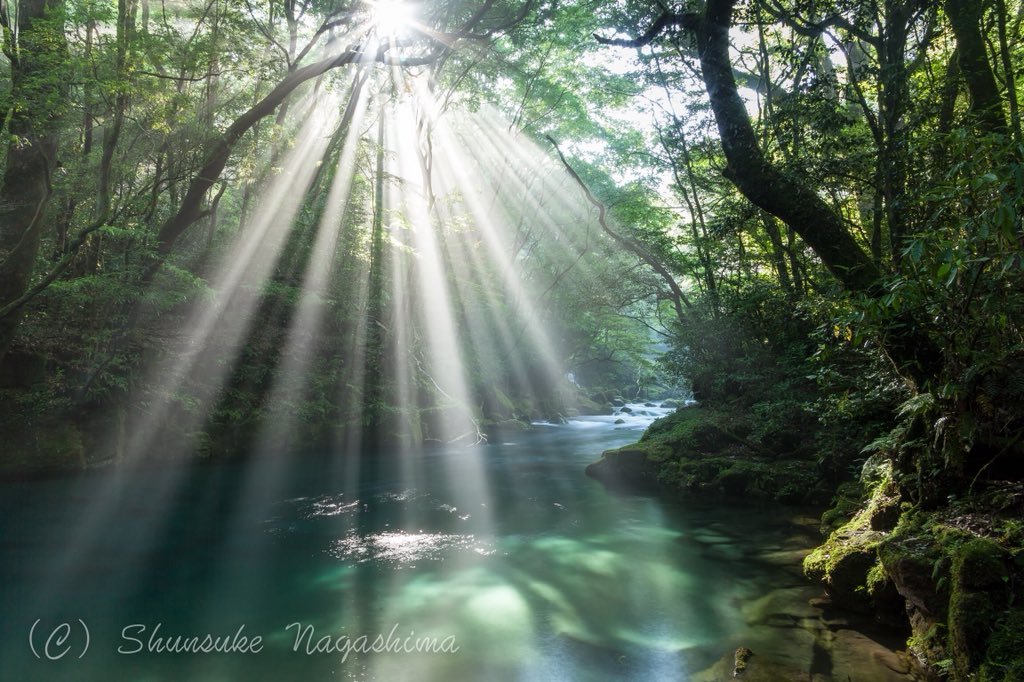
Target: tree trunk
893	92
950	90
796	205
986	104
778	253
1010	77
38	91
795	266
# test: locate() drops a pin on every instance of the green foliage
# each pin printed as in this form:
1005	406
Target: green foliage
1005	656
746	346
961	286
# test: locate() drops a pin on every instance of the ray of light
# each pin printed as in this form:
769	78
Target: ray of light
215	330
236	285
292	375
452	176
436	316
452	287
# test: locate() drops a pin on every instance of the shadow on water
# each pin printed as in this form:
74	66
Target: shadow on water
821	660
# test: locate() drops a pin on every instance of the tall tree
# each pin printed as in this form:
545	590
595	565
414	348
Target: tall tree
763	183
38	53
796	204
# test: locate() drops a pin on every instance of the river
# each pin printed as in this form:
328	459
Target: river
497	562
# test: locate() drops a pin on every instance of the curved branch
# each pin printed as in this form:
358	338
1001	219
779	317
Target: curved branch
676	294
57	271
344	20
688	20
190	209
814	29
757	178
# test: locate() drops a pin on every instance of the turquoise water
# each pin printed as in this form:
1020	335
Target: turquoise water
506	558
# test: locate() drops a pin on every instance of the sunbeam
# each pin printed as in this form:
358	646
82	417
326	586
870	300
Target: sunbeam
390	18
409	253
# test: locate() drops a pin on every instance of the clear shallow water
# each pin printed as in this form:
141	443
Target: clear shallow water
507	552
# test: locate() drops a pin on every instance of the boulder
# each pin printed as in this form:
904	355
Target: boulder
842	565
626	467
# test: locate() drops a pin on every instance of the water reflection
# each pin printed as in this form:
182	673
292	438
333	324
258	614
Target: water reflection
399	547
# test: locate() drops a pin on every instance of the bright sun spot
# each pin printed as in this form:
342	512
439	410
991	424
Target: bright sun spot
391	16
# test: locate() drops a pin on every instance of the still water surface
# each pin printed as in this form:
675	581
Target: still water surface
505	552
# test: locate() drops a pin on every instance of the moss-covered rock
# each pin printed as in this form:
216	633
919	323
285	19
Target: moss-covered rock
955	569
693	430
707	450
628	467
842	564
979	593
848	563
846	503
913	561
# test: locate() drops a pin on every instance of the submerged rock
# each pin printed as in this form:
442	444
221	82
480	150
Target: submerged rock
742	664
740	660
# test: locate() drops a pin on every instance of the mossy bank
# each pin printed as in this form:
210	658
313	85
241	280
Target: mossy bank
952	575
707	450
955	573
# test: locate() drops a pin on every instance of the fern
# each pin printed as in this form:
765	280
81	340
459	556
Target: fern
917	405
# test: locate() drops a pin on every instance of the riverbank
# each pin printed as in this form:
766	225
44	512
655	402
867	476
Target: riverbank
948	576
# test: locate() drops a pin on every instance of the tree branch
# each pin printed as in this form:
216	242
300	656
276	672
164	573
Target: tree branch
814	29
324	28
676	294
689	21
58	269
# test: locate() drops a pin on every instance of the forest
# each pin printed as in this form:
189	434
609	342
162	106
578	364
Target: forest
250	249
